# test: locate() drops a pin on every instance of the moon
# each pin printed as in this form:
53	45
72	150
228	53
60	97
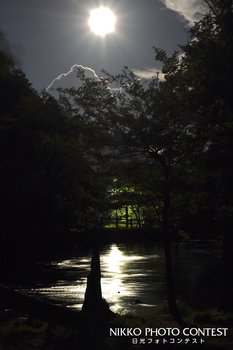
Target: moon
102	21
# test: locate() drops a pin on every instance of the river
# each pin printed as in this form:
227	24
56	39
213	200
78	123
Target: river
133	276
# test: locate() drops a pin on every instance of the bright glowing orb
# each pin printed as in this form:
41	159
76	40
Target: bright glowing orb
102	21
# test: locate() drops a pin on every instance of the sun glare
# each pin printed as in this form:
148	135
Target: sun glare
102	21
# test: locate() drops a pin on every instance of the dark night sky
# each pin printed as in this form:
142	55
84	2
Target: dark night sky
50	36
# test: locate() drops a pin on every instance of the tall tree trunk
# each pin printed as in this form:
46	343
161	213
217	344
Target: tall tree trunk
172	304
94	304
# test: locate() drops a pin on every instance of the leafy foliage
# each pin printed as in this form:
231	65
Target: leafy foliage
47	181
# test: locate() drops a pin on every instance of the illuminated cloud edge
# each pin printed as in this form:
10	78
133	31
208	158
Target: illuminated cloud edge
88	71
148	73
191	10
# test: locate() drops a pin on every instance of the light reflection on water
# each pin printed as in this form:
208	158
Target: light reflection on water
123	279
133	273
132	279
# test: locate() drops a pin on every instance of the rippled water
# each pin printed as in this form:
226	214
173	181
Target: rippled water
133	277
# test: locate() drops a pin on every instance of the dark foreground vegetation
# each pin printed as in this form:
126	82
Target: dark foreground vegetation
21	331
157	151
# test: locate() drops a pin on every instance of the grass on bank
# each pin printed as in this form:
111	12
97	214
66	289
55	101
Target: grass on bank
21	332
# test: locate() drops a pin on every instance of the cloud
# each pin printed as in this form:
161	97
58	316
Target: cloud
69	79
149	73
191	10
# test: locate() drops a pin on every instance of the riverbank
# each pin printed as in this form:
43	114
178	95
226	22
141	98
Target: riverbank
22	332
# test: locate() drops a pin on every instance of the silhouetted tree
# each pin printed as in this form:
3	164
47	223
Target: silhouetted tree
46	179
143	126
207	71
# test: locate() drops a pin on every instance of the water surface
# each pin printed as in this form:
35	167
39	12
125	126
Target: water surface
133	277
